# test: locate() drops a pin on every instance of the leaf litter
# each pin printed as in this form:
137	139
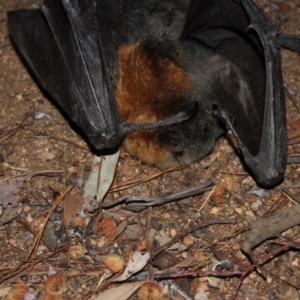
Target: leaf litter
54	145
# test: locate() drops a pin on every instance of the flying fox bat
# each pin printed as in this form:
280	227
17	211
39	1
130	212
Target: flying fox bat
132	71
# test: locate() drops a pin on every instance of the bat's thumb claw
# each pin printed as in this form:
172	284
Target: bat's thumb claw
249	28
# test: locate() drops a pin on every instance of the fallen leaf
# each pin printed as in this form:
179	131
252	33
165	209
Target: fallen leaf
120	229
185	263
73	206
162	238
11	186
50	236
10	213
4	292
136	263
134	232
120	292
99	180
201	295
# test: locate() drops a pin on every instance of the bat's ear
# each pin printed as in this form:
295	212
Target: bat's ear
166	22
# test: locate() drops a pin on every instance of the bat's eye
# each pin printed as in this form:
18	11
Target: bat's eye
168	20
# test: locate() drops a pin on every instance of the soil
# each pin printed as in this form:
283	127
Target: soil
49	144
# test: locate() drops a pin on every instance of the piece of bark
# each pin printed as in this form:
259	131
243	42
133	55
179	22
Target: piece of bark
270	227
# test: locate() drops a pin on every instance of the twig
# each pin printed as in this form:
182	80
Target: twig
125	184
262	261
152	201
167	274
190	228
293	160
147	237
290	195
7	135
39	235
171	274
24	266
56	138
207	199
46	173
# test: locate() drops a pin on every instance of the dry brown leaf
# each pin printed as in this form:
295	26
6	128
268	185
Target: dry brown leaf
136	263
100	180
73	205
10	213
120	292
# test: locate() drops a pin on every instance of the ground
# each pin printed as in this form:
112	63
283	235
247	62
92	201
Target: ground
50	145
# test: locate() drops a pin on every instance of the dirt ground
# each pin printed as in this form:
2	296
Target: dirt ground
50	146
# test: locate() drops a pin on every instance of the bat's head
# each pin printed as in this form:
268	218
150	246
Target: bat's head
166	22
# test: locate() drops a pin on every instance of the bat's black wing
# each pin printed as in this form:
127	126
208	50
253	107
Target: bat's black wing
71	48
239	31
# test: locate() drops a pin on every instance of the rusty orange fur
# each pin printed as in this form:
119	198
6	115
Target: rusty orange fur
148	87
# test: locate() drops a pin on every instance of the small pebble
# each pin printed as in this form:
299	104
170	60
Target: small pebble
173	232
188	241
27	208
185	254
198	233
215	210
240	211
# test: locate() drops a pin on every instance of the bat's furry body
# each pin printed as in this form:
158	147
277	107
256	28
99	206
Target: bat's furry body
162	75
121	66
